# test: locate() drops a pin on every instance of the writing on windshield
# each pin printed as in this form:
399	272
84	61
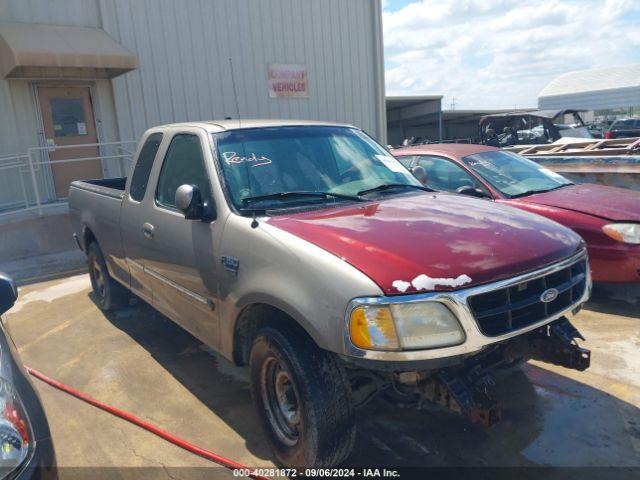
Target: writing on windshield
232	158
334	162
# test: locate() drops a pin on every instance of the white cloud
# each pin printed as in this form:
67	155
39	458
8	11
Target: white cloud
501	53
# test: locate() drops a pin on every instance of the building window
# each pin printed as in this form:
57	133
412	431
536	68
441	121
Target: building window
68	117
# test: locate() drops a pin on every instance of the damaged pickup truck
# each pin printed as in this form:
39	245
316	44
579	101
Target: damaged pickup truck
309	253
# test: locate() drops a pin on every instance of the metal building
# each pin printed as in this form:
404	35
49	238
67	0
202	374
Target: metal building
100	72
414	116
420	118
597	89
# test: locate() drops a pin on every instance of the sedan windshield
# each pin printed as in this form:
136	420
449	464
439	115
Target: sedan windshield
514	175
283	166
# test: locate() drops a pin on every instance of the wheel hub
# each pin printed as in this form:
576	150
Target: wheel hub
281	401
98	276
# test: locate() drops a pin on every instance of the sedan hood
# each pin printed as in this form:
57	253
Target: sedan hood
433	241
611	203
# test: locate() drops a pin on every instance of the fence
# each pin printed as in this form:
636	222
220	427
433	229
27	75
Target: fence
26	179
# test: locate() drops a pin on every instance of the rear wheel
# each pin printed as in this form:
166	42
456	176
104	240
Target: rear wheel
109	294
303	398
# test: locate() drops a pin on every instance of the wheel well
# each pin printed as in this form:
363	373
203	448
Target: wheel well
253	318
88	238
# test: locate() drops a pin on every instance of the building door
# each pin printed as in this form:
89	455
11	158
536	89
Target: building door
67	117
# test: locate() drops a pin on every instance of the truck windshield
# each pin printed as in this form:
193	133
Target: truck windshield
277	166
514	175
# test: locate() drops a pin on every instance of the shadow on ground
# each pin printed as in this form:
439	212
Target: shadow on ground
217	383
548	419
615	299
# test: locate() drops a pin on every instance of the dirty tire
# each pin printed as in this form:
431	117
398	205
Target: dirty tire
325	431
109	294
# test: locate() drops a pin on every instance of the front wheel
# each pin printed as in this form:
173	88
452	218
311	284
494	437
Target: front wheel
109	294
303	398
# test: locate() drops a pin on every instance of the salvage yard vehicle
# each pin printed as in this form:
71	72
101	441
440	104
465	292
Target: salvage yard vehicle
531	128
607	218
624	128
305	250
26	448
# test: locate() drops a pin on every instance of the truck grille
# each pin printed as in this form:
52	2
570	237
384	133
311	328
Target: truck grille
517	306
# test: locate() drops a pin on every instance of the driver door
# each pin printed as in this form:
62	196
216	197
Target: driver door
180	253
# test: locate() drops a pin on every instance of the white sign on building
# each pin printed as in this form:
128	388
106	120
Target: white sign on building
288	81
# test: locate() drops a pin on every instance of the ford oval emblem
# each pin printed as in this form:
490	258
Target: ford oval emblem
549	295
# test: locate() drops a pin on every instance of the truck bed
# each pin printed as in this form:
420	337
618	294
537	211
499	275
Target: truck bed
96	204
111	187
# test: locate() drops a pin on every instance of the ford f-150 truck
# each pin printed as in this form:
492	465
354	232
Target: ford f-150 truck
306	251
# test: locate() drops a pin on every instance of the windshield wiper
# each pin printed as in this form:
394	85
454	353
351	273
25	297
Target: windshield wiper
533	192
301	193
388	186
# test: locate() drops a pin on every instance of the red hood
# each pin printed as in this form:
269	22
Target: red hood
433	241
611	203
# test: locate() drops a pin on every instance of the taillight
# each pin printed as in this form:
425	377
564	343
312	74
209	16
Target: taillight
15	434
607	134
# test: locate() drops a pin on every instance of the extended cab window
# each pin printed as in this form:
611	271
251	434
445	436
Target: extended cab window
140	176
445	175
183	164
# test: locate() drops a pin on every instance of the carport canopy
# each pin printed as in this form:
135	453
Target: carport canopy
413	110
50	51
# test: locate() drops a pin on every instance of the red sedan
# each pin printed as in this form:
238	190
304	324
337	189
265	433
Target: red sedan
608	218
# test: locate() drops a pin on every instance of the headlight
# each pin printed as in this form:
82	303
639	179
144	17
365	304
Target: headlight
404	326
15	433
623	232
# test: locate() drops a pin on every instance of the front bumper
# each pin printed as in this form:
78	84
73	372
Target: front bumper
457	301
617	264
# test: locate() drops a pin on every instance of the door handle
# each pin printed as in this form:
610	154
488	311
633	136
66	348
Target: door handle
147	230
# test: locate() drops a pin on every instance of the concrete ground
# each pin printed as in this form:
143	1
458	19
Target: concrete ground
140	362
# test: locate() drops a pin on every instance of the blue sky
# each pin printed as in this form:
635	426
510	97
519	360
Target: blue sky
501	53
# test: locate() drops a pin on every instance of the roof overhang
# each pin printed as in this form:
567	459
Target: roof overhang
49	51
412	110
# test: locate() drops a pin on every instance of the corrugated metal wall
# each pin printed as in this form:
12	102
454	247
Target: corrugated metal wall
184	49
19	124
80	13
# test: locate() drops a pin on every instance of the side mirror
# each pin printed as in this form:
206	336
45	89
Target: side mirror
189	201
472	192
8	293
420	173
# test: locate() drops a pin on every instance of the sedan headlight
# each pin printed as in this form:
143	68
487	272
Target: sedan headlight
404	326
623	232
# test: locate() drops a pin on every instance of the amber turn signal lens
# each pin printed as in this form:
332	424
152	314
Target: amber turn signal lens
372	328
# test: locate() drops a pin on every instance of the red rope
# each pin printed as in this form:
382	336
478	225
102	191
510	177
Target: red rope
213	457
